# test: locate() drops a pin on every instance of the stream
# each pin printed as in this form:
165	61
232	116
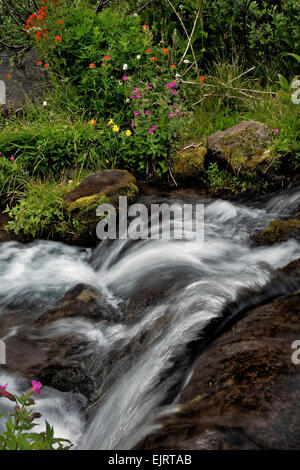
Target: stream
193	283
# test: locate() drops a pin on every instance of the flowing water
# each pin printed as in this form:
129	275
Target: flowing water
191	284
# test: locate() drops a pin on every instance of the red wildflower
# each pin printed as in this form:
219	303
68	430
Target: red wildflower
149	51
154	59
106	57
58	39
201	79
145	27
8	76
165	51
46	65
61	22
39	62
38	35
173	66
92	66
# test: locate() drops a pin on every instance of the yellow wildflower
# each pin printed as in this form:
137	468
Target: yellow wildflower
111	122
116	128
128	132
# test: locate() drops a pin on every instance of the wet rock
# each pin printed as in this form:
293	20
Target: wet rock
81	301
63	359
102	187
279	231
189	164
245	389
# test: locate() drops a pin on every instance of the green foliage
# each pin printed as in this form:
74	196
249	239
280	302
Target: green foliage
93	51
12	177
40	211
159	117
49	147
18	434
258	31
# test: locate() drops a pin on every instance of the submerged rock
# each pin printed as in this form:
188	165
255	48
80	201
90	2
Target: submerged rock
245	389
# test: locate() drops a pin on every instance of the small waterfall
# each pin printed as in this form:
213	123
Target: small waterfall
190	285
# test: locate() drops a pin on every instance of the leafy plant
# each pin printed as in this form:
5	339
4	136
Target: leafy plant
18	434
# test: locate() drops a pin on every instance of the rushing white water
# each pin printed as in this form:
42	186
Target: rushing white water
197	281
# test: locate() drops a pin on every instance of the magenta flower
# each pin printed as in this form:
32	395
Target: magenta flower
149	87
147	113
152	129
136	113
132	97
124	78
36	387
135	90
276	131
174	92
132	124
174	106
171	85
3	391
186	113
12	158
171	115
138	95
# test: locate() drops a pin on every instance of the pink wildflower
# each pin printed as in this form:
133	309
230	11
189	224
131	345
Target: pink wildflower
152	129
3	392
36	387
124	78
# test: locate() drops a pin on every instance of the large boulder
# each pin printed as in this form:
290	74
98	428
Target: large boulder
242	148
102	187
245	389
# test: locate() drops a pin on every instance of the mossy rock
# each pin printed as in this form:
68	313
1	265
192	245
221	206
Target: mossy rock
279	231
244	149
102	187
189	163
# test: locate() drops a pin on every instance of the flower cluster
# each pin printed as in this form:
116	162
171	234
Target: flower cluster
35	24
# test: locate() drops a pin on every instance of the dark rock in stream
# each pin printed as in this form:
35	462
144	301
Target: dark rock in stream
58	358
244	392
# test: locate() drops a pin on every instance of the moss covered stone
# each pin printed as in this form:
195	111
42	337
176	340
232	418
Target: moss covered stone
102	187
189	163
281	230
244	149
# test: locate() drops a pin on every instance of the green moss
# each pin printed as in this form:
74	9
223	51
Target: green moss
81	223
189	163
280	230
245	152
